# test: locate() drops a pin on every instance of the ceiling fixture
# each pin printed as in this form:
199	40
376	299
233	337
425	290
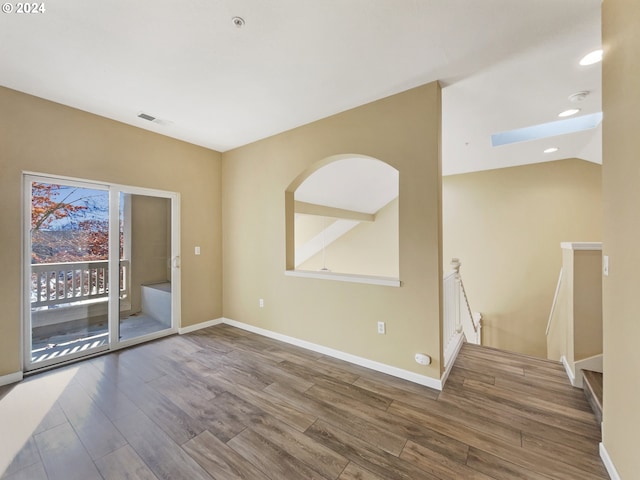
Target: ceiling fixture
238	22
151	118
551	150
591	58
578	96
145	116
324	253
568	113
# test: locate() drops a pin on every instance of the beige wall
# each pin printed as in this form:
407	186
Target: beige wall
621	190
41	136
587	304
576	327
506	226
370	248
308	226
402	130
150	244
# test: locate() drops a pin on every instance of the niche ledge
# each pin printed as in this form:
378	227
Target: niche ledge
345	277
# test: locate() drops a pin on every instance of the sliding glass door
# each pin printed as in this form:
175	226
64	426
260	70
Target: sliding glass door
68	273
101	268
146	266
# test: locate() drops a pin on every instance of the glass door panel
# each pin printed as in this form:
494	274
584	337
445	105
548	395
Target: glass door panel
68	273
145	266
100	268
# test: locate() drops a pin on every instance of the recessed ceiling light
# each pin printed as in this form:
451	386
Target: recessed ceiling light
591	58
551	150
568	113
238	21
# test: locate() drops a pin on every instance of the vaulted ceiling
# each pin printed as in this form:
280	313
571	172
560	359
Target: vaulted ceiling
504	64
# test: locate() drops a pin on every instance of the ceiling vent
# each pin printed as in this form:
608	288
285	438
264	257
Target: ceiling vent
151	118
144	116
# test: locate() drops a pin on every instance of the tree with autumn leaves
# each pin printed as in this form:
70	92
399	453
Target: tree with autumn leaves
46	207
83	237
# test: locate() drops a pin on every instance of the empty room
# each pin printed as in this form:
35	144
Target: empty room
335	240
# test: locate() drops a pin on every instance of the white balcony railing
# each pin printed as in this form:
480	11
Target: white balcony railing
70	282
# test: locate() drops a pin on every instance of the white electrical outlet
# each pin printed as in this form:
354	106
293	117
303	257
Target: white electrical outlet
381	327
261	303
197	250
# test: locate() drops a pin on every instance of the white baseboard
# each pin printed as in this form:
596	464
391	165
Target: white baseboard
569	370
11	378
198	326
363	362
608	463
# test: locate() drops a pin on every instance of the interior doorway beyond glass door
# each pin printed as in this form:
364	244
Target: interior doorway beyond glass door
146	265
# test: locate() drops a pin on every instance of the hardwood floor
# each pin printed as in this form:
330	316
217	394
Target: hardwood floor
223	403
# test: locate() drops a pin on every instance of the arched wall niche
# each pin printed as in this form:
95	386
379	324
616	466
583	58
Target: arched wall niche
342	219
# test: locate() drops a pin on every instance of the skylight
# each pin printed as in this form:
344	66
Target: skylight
545	130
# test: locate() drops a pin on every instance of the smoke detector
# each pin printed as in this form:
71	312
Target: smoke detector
578	96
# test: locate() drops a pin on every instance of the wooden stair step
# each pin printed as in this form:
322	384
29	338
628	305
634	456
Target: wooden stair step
593	390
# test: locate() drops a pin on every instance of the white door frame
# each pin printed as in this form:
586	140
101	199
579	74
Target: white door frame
114	265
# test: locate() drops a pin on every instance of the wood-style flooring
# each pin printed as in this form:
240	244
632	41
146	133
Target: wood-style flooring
223	403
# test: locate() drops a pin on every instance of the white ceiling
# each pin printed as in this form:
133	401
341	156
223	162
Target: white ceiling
505	64
523	90
357	184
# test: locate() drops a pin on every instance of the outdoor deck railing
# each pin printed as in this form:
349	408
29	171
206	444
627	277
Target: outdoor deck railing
70	282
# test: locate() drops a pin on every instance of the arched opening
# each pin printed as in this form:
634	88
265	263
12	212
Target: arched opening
342	218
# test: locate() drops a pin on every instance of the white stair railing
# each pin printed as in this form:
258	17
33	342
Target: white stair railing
459	322
553	305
